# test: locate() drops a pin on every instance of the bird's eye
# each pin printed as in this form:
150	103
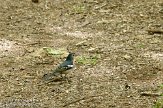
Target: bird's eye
73	54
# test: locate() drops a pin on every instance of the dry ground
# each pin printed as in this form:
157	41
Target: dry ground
130	60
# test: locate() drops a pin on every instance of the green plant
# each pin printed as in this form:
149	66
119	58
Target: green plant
53	51
141	45
79	8
161	86
158	104
87	60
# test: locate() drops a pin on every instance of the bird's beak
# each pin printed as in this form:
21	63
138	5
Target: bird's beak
75	54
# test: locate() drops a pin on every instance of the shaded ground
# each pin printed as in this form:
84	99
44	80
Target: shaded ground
130	61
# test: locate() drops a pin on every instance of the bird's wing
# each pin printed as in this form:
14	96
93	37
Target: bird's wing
64	66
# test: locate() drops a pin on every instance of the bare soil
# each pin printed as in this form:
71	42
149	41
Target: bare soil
129	71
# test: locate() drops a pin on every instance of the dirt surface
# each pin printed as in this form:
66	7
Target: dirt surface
129	71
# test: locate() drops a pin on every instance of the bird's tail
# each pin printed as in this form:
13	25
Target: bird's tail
48	76
56	72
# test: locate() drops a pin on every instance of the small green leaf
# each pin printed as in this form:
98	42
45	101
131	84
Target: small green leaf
161	86
158	104
87	60
53	51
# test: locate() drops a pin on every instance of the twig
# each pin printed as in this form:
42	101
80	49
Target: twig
84	98
150	94
103	5
154	31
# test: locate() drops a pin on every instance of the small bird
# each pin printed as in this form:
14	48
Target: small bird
62	68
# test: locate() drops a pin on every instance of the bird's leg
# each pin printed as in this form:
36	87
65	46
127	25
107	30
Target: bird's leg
65	76
61	76
67	79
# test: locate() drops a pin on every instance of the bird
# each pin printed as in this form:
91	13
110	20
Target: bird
62	68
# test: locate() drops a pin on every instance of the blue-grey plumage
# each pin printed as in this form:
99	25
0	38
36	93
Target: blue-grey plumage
66	65
62	68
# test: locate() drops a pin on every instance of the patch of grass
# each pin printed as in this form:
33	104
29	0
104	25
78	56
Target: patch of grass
140	45
53	51
158	104
79	9
161	86
87	60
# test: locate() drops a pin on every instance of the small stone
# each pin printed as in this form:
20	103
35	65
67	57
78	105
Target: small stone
127	57
35	1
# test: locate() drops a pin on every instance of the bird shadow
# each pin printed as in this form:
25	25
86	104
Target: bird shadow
53	80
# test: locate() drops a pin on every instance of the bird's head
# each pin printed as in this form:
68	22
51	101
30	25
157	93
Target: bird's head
70	56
